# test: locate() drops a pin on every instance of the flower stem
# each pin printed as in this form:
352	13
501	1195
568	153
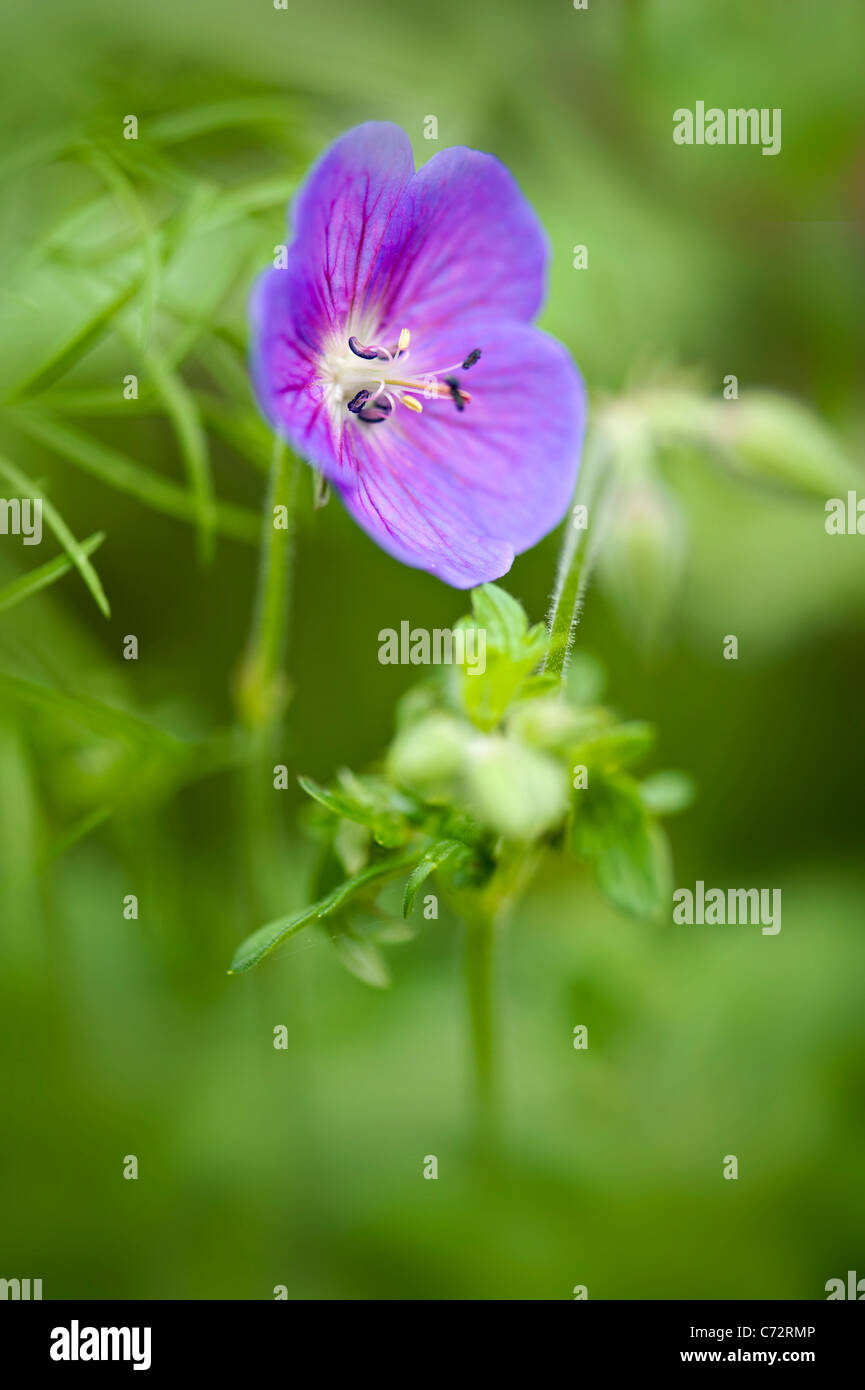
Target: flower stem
479	960
579	549
263	686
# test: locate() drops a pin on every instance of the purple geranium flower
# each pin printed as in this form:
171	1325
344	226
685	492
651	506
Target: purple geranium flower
395	352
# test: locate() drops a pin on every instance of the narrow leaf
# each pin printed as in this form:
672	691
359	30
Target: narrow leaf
388	827
102	719
362	959
37	579
120	472
192	442
86	335
123	190
55	522
263	941
268	937
433	859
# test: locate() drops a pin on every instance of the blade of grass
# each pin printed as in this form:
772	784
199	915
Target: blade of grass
114	178
86	336
56	524
177	126
192	441
250	198
79	830
118	471
104	720
40	578
226	366
243	431
97	401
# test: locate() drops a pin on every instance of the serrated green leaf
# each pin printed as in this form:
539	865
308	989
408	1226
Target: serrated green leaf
437	855
374	873
487	695
255	947
612	829
502	617
388	827
268	937
511	650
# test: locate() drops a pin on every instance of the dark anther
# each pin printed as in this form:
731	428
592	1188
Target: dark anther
380	409
473	357
456	395
369	354
356	404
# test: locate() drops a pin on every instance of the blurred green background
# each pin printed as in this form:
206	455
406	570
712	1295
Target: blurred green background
304	1167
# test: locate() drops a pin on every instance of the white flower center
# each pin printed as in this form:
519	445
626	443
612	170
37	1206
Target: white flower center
368	382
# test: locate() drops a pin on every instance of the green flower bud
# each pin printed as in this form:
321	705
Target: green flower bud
773	438
643	555
515	791
429	755
551	724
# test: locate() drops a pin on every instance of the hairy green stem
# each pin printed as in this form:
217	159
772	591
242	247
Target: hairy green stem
579	549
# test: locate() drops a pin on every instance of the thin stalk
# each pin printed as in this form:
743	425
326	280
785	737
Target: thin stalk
263	687
579	549
479	965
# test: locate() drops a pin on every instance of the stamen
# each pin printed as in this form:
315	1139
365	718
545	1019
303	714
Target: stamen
376	402
380	411
369	354
456	394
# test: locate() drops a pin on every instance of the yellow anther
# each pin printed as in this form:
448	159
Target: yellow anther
404	340
412	404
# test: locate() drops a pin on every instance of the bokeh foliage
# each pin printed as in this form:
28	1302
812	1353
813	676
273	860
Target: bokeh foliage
261	1167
